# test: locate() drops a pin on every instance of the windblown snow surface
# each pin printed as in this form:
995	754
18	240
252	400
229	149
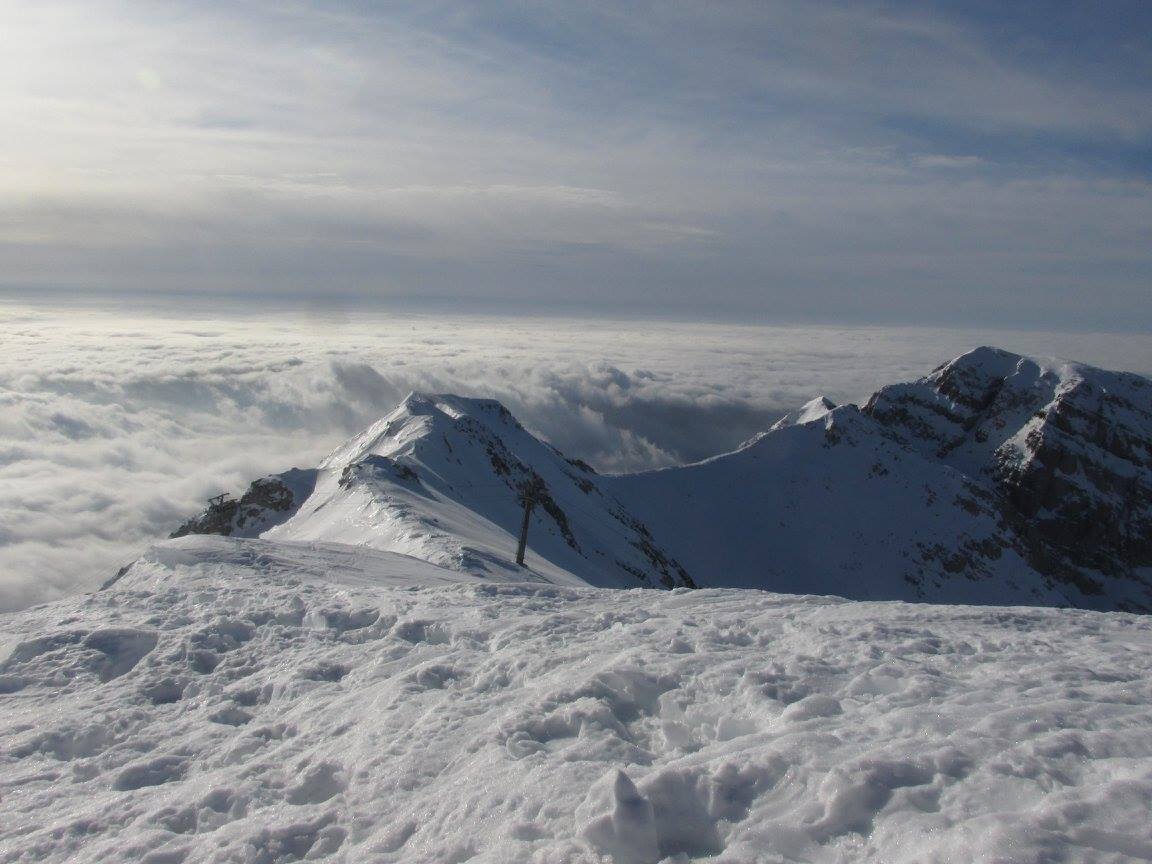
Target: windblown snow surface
240	700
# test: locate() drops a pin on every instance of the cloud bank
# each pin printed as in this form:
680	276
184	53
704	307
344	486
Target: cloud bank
114	425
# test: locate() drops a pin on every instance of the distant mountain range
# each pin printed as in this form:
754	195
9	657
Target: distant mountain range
995	479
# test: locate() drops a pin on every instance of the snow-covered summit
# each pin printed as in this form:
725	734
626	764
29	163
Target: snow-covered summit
814	409
420	417
441	478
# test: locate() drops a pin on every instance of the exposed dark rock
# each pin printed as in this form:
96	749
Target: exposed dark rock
268	501
582	465
217	518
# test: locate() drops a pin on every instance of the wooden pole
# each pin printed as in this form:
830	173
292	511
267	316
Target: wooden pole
529	503
529	495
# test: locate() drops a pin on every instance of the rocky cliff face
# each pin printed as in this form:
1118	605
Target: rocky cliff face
1068	448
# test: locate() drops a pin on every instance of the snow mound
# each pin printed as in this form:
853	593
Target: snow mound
240	700
811	411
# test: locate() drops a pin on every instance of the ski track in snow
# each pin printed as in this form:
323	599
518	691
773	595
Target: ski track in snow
227	701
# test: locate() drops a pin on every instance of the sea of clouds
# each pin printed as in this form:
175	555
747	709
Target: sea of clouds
117	423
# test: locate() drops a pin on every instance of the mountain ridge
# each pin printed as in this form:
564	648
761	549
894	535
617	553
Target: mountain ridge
1068	445
441	477
992	479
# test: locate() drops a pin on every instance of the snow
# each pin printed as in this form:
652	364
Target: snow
835	505
814	409
243	700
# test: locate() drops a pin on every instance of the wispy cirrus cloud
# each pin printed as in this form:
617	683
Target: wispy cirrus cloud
785	159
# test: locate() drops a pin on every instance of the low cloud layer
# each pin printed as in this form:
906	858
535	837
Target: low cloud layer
114	427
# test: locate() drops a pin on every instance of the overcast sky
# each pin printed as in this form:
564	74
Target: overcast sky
951	162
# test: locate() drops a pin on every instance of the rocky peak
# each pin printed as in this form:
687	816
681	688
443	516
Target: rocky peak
1068	446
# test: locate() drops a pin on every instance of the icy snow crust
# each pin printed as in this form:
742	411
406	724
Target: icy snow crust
237	700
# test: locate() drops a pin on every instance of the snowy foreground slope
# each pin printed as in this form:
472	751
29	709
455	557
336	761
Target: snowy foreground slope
245	700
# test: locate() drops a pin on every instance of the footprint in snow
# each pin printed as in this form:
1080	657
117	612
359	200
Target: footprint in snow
151	772
435	676
326	671
318	783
